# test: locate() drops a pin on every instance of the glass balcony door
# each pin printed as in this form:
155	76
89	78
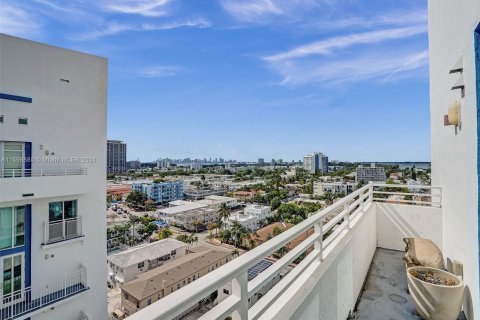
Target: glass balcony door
12	270
13	156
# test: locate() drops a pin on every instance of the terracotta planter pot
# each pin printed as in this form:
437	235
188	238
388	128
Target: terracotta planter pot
436	302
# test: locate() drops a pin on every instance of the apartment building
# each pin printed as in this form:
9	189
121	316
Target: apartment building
372	173
125	266
320	188
53	106
116	156
196	220
160	282
162	192
216	201
315	162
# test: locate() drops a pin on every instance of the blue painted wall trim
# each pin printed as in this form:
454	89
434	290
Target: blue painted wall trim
28	158
15	98
477	69
27	248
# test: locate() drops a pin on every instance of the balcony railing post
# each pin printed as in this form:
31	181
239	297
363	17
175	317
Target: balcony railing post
318	245
370	191
240	290
346	208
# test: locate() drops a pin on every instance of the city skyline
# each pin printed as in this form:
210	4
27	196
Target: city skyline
244	79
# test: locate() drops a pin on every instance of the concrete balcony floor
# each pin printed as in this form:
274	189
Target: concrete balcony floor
385	294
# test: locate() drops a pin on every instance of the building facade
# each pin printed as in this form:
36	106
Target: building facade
454	51
372	173
125	266
319	188
52	182
160	282
116	156
162	192
316	162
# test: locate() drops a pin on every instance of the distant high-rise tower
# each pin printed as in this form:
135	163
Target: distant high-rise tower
116	156
261	161
316	162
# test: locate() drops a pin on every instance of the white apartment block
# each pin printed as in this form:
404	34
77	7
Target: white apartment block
372	173
320	188
127	265
259	211
53	105
250	217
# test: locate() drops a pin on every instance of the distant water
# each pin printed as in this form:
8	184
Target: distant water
403	165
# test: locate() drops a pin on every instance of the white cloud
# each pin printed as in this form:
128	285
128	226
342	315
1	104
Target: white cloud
149	8
262	11
325	47
381	66
114	28
390	19
192	23
159	71
109	29
17	21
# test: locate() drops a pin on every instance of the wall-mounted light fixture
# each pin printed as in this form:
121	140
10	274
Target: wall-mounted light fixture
453	116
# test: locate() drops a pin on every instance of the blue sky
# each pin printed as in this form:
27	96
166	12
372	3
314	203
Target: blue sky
243	79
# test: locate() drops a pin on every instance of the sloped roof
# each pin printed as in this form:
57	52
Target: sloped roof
155	280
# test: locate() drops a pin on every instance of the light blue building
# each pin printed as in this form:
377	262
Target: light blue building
161	192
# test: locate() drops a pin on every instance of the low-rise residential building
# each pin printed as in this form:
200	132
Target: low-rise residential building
196	220
155	284
250	216
248	221
372	173
217	201
259	211
168	214
244	195
319	188
162	192
201	193
125	266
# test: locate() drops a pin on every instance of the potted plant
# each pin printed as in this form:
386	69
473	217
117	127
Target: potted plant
437	294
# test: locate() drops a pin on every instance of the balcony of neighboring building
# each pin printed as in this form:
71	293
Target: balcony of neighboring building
354	238
35	183
23	303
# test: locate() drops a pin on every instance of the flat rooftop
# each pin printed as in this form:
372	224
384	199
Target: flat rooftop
145	252
182	208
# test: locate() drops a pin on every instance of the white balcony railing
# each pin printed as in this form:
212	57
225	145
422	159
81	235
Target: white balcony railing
17	173
329	224
62	230
25	302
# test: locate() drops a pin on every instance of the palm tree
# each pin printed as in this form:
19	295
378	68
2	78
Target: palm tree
224	213
196	223
235	252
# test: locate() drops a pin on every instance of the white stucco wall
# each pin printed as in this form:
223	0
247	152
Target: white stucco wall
70	120
329	290
398	221
454	152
